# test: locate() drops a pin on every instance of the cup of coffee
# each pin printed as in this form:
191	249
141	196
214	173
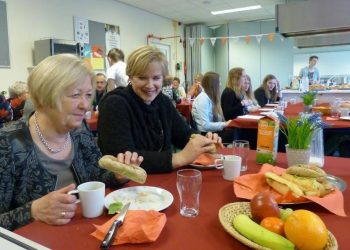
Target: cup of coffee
231	166
91	196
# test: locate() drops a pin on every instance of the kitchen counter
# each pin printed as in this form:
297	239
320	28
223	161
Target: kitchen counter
322	95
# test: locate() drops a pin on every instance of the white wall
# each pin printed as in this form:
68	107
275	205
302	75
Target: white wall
207	51
35	19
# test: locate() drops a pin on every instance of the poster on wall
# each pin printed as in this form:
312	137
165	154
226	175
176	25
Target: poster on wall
97	59
164	48
81	30
112	37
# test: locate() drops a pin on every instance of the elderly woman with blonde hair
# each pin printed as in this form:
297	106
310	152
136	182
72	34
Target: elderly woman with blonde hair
46	156
141	118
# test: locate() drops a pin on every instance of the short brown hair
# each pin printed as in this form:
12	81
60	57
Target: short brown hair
116	55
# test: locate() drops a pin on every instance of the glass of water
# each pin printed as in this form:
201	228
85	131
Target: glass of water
241	148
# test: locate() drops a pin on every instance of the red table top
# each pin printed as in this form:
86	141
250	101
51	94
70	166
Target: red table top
185	108
93	121
202	232
290	111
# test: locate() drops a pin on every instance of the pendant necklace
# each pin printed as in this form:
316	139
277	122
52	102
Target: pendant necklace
45	142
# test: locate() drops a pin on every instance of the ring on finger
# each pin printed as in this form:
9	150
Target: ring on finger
63	214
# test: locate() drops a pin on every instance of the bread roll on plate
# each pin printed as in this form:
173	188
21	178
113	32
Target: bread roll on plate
132	172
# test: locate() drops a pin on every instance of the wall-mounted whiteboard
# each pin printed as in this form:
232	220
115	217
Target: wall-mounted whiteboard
4	40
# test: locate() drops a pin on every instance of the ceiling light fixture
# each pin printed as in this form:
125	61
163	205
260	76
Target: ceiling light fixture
220	12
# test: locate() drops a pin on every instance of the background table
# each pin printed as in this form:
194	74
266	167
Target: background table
185	108
203	232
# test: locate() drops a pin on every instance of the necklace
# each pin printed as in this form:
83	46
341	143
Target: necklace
45	142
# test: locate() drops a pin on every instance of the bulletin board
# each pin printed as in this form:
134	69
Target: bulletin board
96	50
4	40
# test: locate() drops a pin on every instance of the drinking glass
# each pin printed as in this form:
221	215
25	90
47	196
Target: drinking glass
189	183
241	148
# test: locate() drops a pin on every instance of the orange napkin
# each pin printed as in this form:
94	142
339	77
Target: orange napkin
246	186
139	227
205	159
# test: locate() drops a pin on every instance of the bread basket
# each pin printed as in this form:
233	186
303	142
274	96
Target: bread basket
322	110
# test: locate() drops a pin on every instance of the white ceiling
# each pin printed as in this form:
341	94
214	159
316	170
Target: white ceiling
198	11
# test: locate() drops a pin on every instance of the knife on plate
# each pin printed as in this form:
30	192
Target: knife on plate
107	241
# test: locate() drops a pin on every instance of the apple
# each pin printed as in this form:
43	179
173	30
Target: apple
264	205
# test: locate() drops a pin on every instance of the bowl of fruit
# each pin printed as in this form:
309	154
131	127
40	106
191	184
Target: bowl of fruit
261	224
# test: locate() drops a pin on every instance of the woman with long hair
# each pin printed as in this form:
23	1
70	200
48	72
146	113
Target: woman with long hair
249	102
206	109
232	96
269	91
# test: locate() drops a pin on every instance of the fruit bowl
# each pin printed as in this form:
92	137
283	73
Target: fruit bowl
229	211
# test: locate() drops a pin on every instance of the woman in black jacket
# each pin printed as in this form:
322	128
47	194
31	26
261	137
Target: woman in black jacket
269	91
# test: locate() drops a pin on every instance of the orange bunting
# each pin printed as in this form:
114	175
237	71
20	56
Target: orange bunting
270	37
223	40
201	40
247	39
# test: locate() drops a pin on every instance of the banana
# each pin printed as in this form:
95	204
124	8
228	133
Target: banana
260	235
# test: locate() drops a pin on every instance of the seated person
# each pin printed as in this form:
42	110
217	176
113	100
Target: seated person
46	156
196	87
101	89
5	111
179	90
169	91
232	97
141	118
18	92
269	91
206	108
249	102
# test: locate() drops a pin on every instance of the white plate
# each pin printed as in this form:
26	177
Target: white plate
250	117
141	198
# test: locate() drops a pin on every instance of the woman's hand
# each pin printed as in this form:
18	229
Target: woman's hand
128	158
227	123
197	145
55	208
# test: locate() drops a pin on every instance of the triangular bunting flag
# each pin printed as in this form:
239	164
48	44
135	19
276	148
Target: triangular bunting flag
270	37
258	38
201	40
247	39
213	40
191	41
223	40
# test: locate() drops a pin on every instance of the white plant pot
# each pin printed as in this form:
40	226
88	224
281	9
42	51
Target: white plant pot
297	156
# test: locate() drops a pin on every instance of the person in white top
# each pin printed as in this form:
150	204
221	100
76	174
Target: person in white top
206	108
116	76
179	90
249	103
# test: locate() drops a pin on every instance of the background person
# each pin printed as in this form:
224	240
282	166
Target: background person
169	91
249	102
206	108
5	111
116	76
196	87
47	155
140	118
101	89
311	72
18	93
232	96
269	91
179	90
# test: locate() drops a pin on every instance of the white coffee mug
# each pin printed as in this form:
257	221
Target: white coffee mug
91	197
231	166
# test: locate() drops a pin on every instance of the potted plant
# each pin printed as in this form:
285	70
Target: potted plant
308	100
299	132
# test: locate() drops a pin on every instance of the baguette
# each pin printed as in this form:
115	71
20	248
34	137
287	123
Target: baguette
282	185
304	170
132	172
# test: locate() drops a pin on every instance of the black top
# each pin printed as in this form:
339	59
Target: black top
126	123
231	105
260	96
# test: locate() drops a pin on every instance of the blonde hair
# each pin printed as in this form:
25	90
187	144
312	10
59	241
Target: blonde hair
271	95
17	88
52	76
211	86
141	58
116	55
249	92
233	80
198	77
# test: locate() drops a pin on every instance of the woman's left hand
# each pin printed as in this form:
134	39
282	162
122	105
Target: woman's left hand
214	137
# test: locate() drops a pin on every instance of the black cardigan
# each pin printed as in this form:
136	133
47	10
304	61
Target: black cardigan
124	124
231	105
260	96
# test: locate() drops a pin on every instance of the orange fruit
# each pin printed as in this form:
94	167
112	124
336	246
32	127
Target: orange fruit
273	224
306	230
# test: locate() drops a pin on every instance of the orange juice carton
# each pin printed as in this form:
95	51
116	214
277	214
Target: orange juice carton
266	147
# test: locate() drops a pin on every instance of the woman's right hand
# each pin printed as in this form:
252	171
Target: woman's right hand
55	208
197	145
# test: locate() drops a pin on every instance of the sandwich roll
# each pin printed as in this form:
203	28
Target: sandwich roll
304	170
282	185
132	172
213	146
